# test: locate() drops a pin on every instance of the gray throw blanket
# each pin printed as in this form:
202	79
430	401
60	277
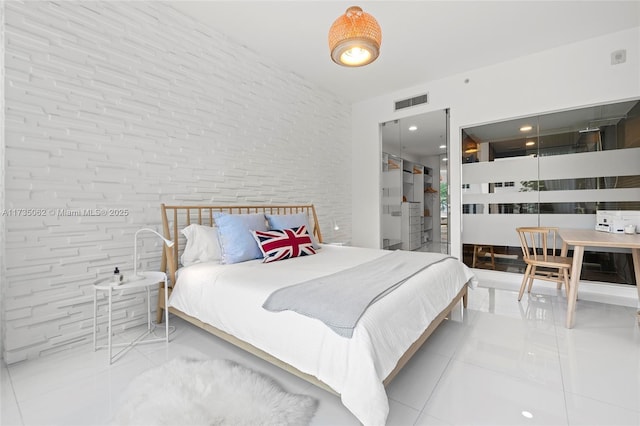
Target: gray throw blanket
340	299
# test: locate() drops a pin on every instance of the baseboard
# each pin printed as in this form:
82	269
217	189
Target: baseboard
596	291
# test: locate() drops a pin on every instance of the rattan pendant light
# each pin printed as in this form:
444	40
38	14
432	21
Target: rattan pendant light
354	38
470	146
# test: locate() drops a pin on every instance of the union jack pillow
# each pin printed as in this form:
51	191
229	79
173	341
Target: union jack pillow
280	244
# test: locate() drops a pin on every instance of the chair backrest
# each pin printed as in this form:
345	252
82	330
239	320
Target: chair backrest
538	242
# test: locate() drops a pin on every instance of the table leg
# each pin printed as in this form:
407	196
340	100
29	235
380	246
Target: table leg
635	254
109	325
565	249
576	269
166	306
95	316
148	309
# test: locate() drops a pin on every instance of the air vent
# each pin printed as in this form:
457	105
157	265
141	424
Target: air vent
406	103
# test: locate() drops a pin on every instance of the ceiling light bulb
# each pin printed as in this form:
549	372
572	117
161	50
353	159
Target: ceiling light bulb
443	146
354	56
530	143
413	128
526	128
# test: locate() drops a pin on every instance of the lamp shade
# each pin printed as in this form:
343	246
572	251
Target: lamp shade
166	241
354	38
470	146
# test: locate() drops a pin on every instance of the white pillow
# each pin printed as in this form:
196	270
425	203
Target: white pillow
202	245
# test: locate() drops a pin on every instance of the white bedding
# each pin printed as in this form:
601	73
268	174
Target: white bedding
230	297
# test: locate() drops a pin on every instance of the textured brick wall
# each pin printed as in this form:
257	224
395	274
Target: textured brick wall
123	106
2	168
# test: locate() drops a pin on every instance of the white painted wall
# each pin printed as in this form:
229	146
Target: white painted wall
125	105
567	77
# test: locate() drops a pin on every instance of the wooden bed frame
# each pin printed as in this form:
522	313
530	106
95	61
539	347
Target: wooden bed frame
175	218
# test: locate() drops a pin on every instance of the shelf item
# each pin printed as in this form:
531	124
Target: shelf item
408	184
411	226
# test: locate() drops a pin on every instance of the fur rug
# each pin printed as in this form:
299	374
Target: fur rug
210	392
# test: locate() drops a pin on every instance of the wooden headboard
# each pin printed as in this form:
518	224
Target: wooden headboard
176	218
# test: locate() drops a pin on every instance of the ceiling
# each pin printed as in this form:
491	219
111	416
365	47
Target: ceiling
421	40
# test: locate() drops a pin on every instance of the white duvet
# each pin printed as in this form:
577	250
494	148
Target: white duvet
230	297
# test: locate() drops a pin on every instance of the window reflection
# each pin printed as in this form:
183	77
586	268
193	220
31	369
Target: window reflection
601	128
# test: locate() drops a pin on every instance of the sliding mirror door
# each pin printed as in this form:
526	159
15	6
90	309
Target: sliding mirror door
414	183
555	169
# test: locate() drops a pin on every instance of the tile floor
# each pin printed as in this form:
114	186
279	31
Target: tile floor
499	363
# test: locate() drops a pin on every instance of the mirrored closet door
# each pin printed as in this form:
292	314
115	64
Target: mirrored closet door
414	183
561	169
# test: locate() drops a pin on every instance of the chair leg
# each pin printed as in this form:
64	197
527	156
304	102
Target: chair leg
475	256
493	258
566	280
527	271
531	275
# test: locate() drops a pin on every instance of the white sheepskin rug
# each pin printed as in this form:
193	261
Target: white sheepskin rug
210	392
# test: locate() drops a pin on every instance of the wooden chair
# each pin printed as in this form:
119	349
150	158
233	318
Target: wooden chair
479	253
539	253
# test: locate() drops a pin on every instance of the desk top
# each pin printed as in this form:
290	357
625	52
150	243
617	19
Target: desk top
593	238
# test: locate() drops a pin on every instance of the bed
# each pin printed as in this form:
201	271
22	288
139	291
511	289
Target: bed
226	299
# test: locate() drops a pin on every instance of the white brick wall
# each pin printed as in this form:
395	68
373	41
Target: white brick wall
124	105
2	168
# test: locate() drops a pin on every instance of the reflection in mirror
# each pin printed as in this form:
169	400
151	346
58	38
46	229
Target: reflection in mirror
414	206
555	169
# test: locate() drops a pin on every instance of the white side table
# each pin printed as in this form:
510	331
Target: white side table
147	280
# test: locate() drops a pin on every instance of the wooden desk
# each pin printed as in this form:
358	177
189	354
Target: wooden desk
581	238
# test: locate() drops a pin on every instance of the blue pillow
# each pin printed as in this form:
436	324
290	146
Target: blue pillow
236	240
288	221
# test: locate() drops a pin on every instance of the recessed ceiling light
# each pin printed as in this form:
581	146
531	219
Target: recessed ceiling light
530	143
443	146
526	128
413	128
445	159
527	414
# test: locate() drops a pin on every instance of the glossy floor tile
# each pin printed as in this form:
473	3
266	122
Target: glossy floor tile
499	362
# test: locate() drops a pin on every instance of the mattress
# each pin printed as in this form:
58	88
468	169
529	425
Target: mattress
230	298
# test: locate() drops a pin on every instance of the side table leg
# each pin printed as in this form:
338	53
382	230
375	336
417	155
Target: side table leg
166	312
109	329
148	309
95	315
